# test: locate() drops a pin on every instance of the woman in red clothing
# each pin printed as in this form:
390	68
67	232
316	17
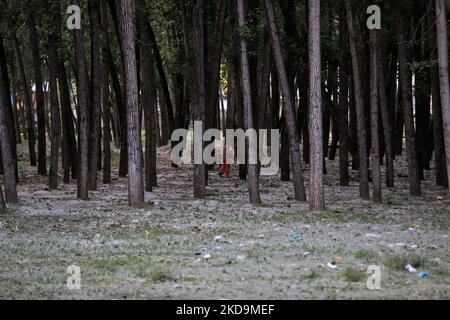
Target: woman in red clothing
225	168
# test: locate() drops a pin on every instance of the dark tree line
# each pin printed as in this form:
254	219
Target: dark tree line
138	70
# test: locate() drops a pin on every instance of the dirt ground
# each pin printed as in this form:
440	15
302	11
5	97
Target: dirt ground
175	247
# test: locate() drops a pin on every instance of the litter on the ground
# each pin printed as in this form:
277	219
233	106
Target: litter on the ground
424	275
297	237
306	254
339	259
332	265
410	268
218	238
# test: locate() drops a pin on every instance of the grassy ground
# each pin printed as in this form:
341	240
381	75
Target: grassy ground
175	247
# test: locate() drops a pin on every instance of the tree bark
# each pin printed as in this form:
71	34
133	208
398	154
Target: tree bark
6	131
387	127
135	156
83	116
28	104
359	102
442	45
252	168
438	132
289	116
405	84
316	189
55	113
148	99
200	97
40	102
374	112
343	99
95	92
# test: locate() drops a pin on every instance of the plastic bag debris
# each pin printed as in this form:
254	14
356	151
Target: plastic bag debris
332	265
424	275
410	268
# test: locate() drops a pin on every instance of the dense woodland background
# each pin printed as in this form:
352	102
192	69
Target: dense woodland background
137	70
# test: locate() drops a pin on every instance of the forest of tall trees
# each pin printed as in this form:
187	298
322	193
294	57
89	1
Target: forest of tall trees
92	91
374	92
156	66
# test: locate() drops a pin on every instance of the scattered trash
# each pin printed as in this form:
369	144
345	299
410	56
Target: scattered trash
424	275
410	268
398	244
297	237
414	228
206	256
261	236
306	254
147	234
218	238
332	265
339	259
372	235
241	258
414	246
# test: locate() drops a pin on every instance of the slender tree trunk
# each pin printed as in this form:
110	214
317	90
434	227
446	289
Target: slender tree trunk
405	84
55	113
135	156
66	121
95	93
439	152
299	188
148	99
343	98
2	201
6	131
28	103
252	168
83	116
200	96
387	127
40	102
442	45
316	190
374	108
359	101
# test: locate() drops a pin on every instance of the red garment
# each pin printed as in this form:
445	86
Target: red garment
225	168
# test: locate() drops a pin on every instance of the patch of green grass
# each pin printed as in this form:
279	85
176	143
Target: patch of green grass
145	206
366	255
312	275
399	262
352	275
160	274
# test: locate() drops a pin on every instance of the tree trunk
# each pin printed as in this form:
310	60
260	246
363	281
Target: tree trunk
316	190
40	102
252	168
95	93
359	102
28	103
135	156
374	112
438	135
83	116
343	99
148	99
405	84
387	127
55	113
442	45
289	116
6	131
